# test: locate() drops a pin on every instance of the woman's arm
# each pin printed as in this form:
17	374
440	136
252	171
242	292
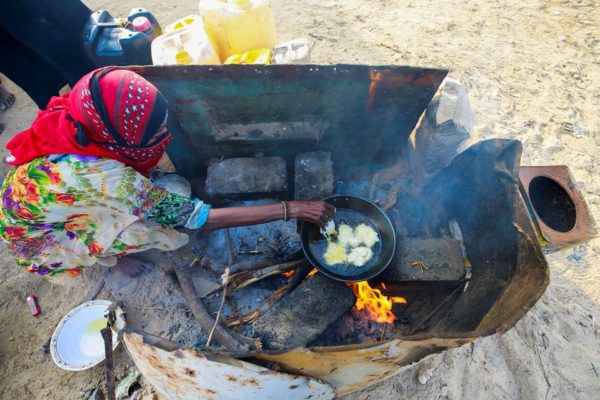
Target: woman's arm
316	212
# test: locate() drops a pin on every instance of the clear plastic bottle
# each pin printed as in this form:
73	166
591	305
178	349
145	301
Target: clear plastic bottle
237	26
185	43
295	51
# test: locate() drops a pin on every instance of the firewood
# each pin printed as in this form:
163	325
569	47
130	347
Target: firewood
221	335
246	278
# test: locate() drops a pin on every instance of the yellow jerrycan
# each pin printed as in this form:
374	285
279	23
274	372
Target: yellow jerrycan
237	26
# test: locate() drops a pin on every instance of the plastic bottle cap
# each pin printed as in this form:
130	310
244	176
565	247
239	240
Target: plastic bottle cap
141	24
183	57
241	3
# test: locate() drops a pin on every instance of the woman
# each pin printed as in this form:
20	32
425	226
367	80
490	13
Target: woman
79	193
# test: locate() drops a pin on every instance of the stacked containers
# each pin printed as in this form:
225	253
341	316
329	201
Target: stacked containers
119	41
185	42
237	26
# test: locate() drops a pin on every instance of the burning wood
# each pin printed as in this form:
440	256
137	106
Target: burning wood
246	278
377	306
289	274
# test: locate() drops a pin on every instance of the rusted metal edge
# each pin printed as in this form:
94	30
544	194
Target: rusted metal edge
584	228
189	374
231	69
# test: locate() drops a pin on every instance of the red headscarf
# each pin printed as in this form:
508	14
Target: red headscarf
111	112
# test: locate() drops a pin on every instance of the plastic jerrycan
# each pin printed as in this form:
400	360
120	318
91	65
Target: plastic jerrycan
237	26
114	41
189	21
184	42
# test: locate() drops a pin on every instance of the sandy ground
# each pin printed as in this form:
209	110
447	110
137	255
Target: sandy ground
530	66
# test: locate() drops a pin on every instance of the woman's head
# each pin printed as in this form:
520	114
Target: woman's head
122	112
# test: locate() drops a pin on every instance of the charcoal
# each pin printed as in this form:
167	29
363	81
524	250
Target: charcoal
304	314
243	176
252	246
441	258
278	239
313	176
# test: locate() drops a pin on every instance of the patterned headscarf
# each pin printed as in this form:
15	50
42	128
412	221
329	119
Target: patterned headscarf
111	112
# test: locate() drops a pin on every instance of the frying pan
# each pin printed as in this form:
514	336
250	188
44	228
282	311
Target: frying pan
353	211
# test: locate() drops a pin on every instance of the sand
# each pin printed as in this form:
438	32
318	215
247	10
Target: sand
529	66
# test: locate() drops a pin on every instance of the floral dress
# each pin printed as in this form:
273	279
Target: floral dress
60	214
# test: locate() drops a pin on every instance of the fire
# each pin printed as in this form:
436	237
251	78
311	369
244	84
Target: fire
377	306
288	274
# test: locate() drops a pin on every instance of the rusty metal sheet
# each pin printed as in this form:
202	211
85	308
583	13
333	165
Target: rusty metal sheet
584	225
189	374
352	369
345	107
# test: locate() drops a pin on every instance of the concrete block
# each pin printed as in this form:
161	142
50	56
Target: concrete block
313	176
434	260
304	314
268	132
238	176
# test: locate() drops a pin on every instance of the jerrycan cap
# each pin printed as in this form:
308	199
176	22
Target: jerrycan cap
244	4
141	24
183	58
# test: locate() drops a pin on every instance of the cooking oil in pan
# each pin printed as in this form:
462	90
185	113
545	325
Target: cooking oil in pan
332	253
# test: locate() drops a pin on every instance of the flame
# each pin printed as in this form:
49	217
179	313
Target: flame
288	274
377	306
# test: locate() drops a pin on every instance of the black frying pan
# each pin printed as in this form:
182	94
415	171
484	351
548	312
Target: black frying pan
353	211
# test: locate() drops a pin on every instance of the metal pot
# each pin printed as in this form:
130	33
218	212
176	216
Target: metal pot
352	210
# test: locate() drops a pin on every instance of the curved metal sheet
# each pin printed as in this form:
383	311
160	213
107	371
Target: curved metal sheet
354	369
190	375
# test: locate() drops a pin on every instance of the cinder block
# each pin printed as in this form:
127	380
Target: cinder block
267	132
436	260
313	176
238	176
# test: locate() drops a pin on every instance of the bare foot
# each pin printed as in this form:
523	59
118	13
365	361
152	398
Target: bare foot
7	99
132	267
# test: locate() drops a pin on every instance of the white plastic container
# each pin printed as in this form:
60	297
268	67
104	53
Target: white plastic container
296	51
186	45
191	21
237	26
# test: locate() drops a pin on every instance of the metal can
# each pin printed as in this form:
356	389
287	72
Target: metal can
33	305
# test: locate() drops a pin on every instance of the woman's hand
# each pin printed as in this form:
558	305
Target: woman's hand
315	212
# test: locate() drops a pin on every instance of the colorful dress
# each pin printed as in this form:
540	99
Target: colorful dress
63	213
